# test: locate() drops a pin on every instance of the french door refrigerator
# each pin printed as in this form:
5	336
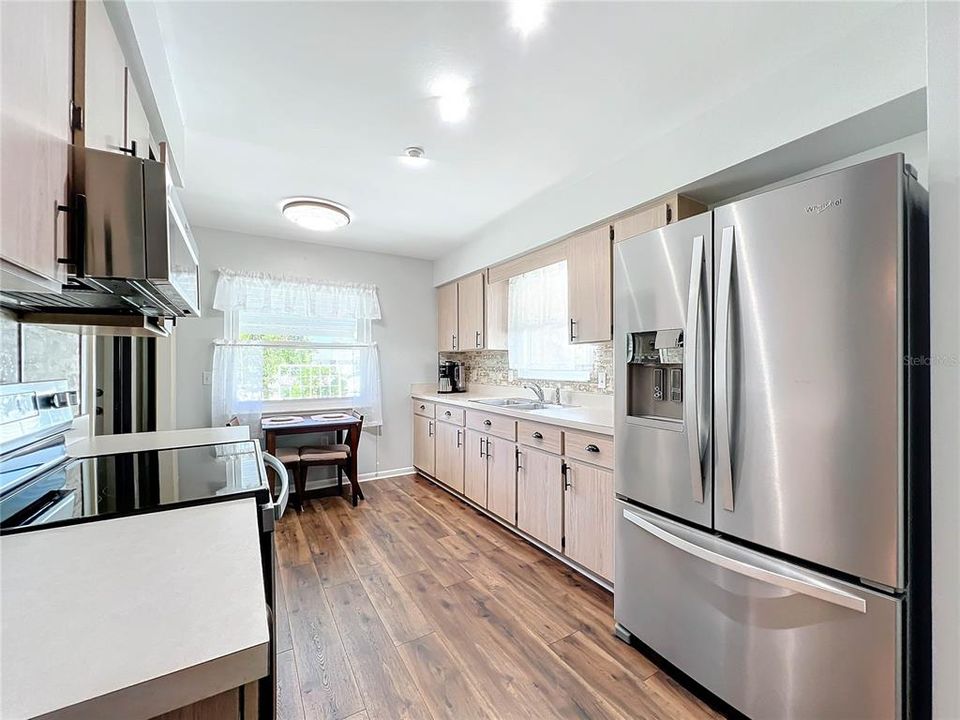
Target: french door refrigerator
771	415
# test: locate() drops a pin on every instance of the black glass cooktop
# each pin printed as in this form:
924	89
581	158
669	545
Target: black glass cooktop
133	482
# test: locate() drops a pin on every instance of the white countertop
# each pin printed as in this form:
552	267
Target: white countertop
134	616
159	440
590	419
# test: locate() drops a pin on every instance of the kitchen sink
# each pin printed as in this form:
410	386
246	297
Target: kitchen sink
521	404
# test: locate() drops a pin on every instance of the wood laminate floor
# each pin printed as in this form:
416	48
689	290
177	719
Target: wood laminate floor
414	605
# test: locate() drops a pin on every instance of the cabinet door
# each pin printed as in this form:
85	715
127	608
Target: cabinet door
502	478
495	320
447	330
470	312
450	455
540	496
644	220
36	82
590	286
423	444
475	467
104	82
588	517
138	127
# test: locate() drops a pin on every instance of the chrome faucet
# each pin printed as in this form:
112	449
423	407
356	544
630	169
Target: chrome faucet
537	390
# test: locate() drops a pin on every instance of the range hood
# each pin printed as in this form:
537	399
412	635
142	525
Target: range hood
131	251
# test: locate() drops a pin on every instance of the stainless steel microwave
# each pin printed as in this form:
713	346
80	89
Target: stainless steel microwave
130	247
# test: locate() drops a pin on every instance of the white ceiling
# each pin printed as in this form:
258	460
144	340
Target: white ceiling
287	99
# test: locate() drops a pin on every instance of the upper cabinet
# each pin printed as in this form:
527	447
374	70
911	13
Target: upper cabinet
36	77
655	215
590	286
471	315
448	328
104	80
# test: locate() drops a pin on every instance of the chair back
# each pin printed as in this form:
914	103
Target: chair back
353	438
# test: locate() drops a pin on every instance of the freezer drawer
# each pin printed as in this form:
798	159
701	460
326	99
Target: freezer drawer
772	639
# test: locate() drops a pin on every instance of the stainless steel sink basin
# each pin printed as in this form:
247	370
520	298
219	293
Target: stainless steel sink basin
521	404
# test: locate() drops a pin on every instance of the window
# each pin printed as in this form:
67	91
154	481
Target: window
295	345
537	339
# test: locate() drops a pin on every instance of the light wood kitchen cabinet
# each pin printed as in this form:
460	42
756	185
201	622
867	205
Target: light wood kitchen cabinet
540	496
424	444
588	517
501	477
104	81
655	215
495	319
447	318
35	134
470	307
449	455
590	286
475	467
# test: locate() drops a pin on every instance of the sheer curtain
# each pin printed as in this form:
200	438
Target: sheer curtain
294	345
537	342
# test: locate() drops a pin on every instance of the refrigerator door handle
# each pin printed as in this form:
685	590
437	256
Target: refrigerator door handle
691	353
724	470
811	587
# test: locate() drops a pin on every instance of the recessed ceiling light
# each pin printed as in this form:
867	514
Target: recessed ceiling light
316	214
527	15
413	156
452	98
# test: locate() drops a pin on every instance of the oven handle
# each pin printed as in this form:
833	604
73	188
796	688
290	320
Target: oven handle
281	503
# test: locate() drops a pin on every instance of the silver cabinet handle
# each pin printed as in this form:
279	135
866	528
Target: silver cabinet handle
691	407
487	423
423	407
812	587
565	472
430	428
478	338
459	438
281	502
592	448
519	455
453	342
537	436
724	467
446	413
481	447
573	329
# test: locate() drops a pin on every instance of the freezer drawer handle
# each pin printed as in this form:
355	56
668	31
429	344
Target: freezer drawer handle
724	469
813	588
691	375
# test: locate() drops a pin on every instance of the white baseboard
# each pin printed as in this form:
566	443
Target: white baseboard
396	472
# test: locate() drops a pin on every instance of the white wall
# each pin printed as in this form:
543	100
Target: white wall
407	334
943	122
872	65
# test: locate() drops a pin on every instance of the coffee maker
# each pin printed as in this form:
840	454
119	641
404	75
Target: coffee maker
451	377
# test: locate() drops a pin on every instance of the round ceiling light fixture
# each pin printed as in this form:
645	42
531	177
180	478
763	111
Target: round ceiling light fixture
316	214
413	156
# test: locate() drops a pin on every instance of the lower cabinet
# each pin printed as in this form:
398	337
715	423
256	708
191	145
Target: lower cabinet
501	477
475	467
588	524
540	496
449	455
424	443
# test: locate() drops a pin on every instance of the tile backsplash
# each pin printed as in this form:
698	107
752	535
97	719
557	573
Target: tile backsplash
490	367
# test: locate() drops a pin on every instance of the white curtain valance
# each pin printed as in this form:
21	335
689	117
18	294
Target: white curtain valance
284	295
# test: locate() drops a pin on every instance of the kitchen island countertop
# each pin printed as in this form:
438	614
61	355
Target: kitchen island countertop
134	616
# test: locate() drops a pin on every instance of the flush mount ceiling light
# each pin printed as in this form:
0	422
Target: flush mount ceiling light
414	157
527	15
452	98
315	214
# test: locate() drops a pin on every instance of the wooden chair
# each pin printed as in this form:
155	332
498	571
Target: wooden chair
343	455
289	456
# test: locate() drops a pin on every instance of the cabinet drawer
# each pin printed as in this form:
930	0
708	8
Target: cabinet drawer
538	435
450	414
499	425
595	449
424	408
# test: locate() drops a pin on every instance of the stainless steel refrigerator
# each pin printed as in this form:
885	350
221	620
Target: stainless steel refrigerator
771	437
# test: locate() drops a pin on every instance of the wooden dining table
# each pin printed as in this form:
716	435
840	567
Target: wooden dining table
339	422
